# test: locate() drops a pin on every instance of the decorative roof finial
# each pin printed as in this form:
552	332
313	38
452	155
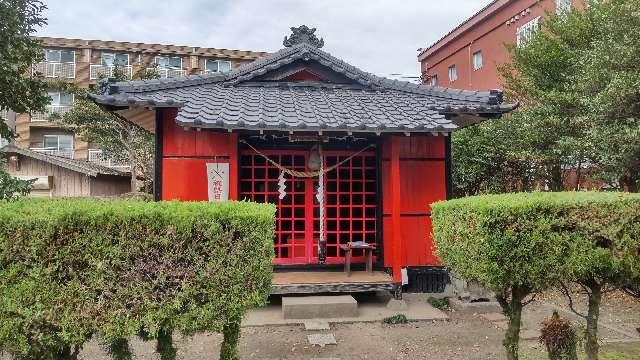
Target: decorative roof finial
303	34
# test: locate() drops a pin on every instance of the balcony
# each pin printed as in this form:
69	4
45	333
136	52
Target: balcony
56	70
65	153
96	71
169	73
51	109
98	157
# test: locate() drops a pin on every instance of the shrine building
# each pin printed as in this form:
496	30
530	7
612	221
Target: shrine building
351	160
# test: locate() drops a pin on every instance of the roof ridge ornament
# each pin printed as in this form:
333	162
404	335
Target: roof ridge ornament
303	34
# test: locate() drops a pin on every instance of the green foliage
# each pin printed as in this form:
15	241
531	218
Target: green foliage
118	138
229	346
537	239
518	244
12	188
395	319
440	304
19	20
577	82
72	268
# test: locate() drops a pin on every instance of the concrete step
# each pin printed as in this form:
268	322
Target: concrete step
319	307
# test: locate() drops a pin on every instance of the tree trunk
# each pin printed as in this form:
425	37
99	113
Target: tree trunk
628	182
134	173
229	347
578	176
119	349
513	310
591	337
164	346
555	183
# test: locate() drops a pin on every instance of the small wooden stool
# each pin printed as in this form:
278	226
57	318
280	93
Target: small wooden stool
368	251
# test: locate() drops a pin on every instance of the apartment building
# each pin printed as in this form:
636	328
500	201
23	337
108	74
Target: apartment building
83	62
469	56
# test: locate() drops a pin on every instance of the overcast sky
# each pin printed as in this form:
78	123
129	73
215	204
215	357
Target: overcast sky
379	36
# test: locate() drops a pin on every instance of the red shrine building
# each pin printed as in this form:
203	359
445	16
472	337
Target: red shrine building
349	158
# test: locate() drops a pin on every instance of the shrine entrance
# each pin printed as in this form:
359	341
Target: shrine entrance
350	201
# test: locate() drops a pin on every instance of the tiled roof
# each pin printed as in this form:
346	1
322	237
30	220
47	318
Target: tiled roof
81	166
239	99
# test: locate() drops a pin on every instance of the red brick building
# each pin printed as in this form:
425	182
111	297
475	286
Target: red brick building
468	57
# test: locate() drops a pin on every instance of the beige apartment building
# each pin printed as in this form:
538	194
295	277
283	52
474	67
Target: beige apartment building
83	62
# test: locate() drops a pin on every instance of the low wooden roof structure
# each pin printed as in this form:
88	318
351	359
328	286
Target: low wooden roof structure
81	166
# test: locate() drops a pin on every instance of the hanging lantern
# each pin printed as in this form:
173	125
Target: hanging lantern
315	160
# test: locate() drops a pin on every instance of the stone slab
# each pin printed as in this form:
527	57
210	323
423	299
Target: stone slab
319	307
321	339
493	316
395	304
316	324
370	309
480	307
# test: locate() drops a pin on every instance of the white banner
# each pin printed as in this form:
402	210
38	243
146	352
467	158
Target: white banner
218	181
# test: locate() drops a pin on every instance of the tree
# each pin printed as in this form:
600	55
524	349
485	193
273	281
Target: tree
577	82
19	19
118	138
487	158
608	83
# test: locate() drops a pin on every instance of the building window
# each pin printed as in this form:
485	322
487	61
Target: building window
525	32
60	99
111	59
217	65
60	56
169	62
434	80
453	73
563	6
477	60
58	142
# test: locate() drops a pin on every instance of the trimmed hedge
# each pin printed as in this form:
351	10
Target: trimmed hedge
520	244
77	267
536	238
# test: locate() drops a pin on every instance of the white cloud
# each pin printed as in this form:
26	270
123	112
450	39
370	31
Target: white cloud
380	36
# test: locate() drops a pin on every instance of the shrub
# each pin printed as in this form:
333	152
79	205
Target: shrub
518	244
77	267
395	319
440	304
559	337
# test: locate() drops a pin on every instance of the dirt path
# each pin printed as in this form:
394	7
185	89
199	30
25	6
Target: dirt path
462	337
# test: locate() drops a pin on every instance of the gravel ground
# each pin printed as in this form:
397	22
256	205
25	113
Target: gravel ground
463	337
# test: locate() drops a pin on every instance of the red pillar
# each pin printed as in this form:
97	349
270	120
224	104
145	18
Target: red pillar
395	209
234	160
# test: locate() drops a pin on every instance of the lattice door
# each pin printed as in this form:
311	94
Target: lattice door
350	203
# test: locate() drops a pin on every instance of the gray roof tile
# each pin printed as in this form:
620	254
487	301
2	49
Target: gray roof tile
238	99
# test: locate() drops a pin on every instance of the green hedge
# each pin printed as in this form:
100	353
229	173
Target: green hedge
73	268
535	239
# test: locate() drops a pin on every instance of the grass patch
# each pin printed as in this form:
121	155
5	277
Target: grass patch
440	304
395	319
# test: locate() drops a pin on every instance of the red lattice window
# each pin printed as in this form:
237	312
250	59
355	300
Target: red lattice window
350	203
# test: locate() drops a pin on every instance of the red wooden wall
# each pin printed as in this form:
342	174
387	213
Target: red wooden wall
421	174
185	154
413	176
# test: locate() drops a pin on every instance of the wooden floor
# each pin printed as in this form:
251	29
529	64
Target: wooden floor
306	282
